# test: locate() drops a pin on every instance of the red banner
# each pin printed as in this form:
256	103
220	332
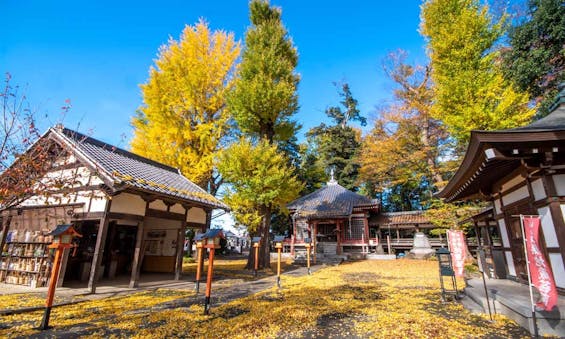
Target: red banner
458	250
540	272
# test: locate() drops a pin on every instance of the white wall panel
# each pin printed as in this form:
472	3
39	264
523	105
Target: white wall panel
158	205
503	233
497	209
539	190
548	227
559	181
516	195
558	270
510	263
177	208
98	203
197	215
128	203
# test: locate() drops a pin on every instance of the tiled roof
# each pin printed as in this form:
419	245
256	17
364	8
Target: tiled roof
123	169
333	200
404	218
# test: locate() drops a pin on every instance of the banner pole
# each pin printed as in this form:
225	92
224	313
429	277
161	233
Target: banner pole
529	277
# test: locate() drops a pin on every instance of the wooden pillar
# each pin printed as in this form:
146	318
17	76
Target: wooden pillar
180	246
99	249
208	220
366	232
314	229
63	267
137	255
339	223
293	236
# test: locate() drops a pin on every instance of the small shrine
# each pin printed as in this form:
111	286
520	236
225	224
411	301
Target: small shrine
335	218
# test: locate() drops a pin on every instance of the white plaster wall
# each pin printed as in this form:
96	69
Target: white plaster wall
158	205
128	203
559	182
510	263
516	195
98	203
539	190
497	209
177	208
503	233
548	226
557	266
197	215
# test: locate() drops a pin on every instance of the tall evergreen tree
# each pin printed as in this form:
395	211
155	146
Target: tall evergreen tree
264	98
263	102
337	146
470	90
536	57
183	122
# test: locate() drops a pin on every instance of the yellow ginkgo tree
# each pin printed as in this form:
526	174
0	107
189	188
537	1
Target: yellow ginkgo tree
183	121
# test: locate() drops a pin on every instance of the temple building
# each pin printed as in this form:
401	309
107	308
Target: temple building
520	171
336	219
132	213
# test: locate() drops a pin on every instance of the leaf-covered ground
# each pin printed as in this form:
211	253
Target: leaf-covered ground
362	299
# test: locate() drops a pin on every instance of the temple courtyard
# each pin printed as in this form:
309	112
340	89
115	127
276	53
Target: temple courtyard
362	299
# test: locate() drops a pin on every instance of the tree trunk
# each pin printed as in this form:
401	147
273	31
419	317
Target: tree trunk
264	249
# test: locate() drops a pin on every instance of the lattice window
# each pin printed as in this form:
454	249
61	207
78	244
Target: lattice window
355	230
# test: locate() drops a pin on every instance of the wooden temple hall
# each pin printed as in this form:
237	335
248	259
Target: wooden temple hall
132	213
519	171
338	221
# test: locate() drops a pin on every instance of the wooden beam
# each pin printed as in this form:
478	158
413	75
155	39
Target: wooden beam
137	255
180	247
164	215
139	251
126	216
99	249
63	267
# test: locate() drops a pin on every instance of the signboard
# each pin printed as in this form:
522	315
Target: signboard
458	249
541	275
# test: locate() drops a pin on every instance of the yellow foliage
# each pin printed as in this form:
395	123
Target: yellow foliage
183	120
393	299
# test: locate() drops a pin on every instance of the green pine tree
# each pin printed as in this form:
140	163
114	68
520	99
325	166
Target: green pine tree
536	59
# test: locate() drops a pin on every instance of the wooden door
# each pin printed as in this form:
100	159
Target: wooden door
516	239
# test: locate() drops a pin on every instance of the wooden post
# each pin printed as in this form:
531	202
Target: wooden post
366	234
279	248
256	263
137	255
338	236
388	244
51	291
180	252
199	264
209	281
63	268
99	249
308	258
314	240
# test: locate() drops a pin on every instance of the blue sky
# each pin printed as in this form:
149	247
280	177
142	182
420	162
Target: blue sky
97	53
